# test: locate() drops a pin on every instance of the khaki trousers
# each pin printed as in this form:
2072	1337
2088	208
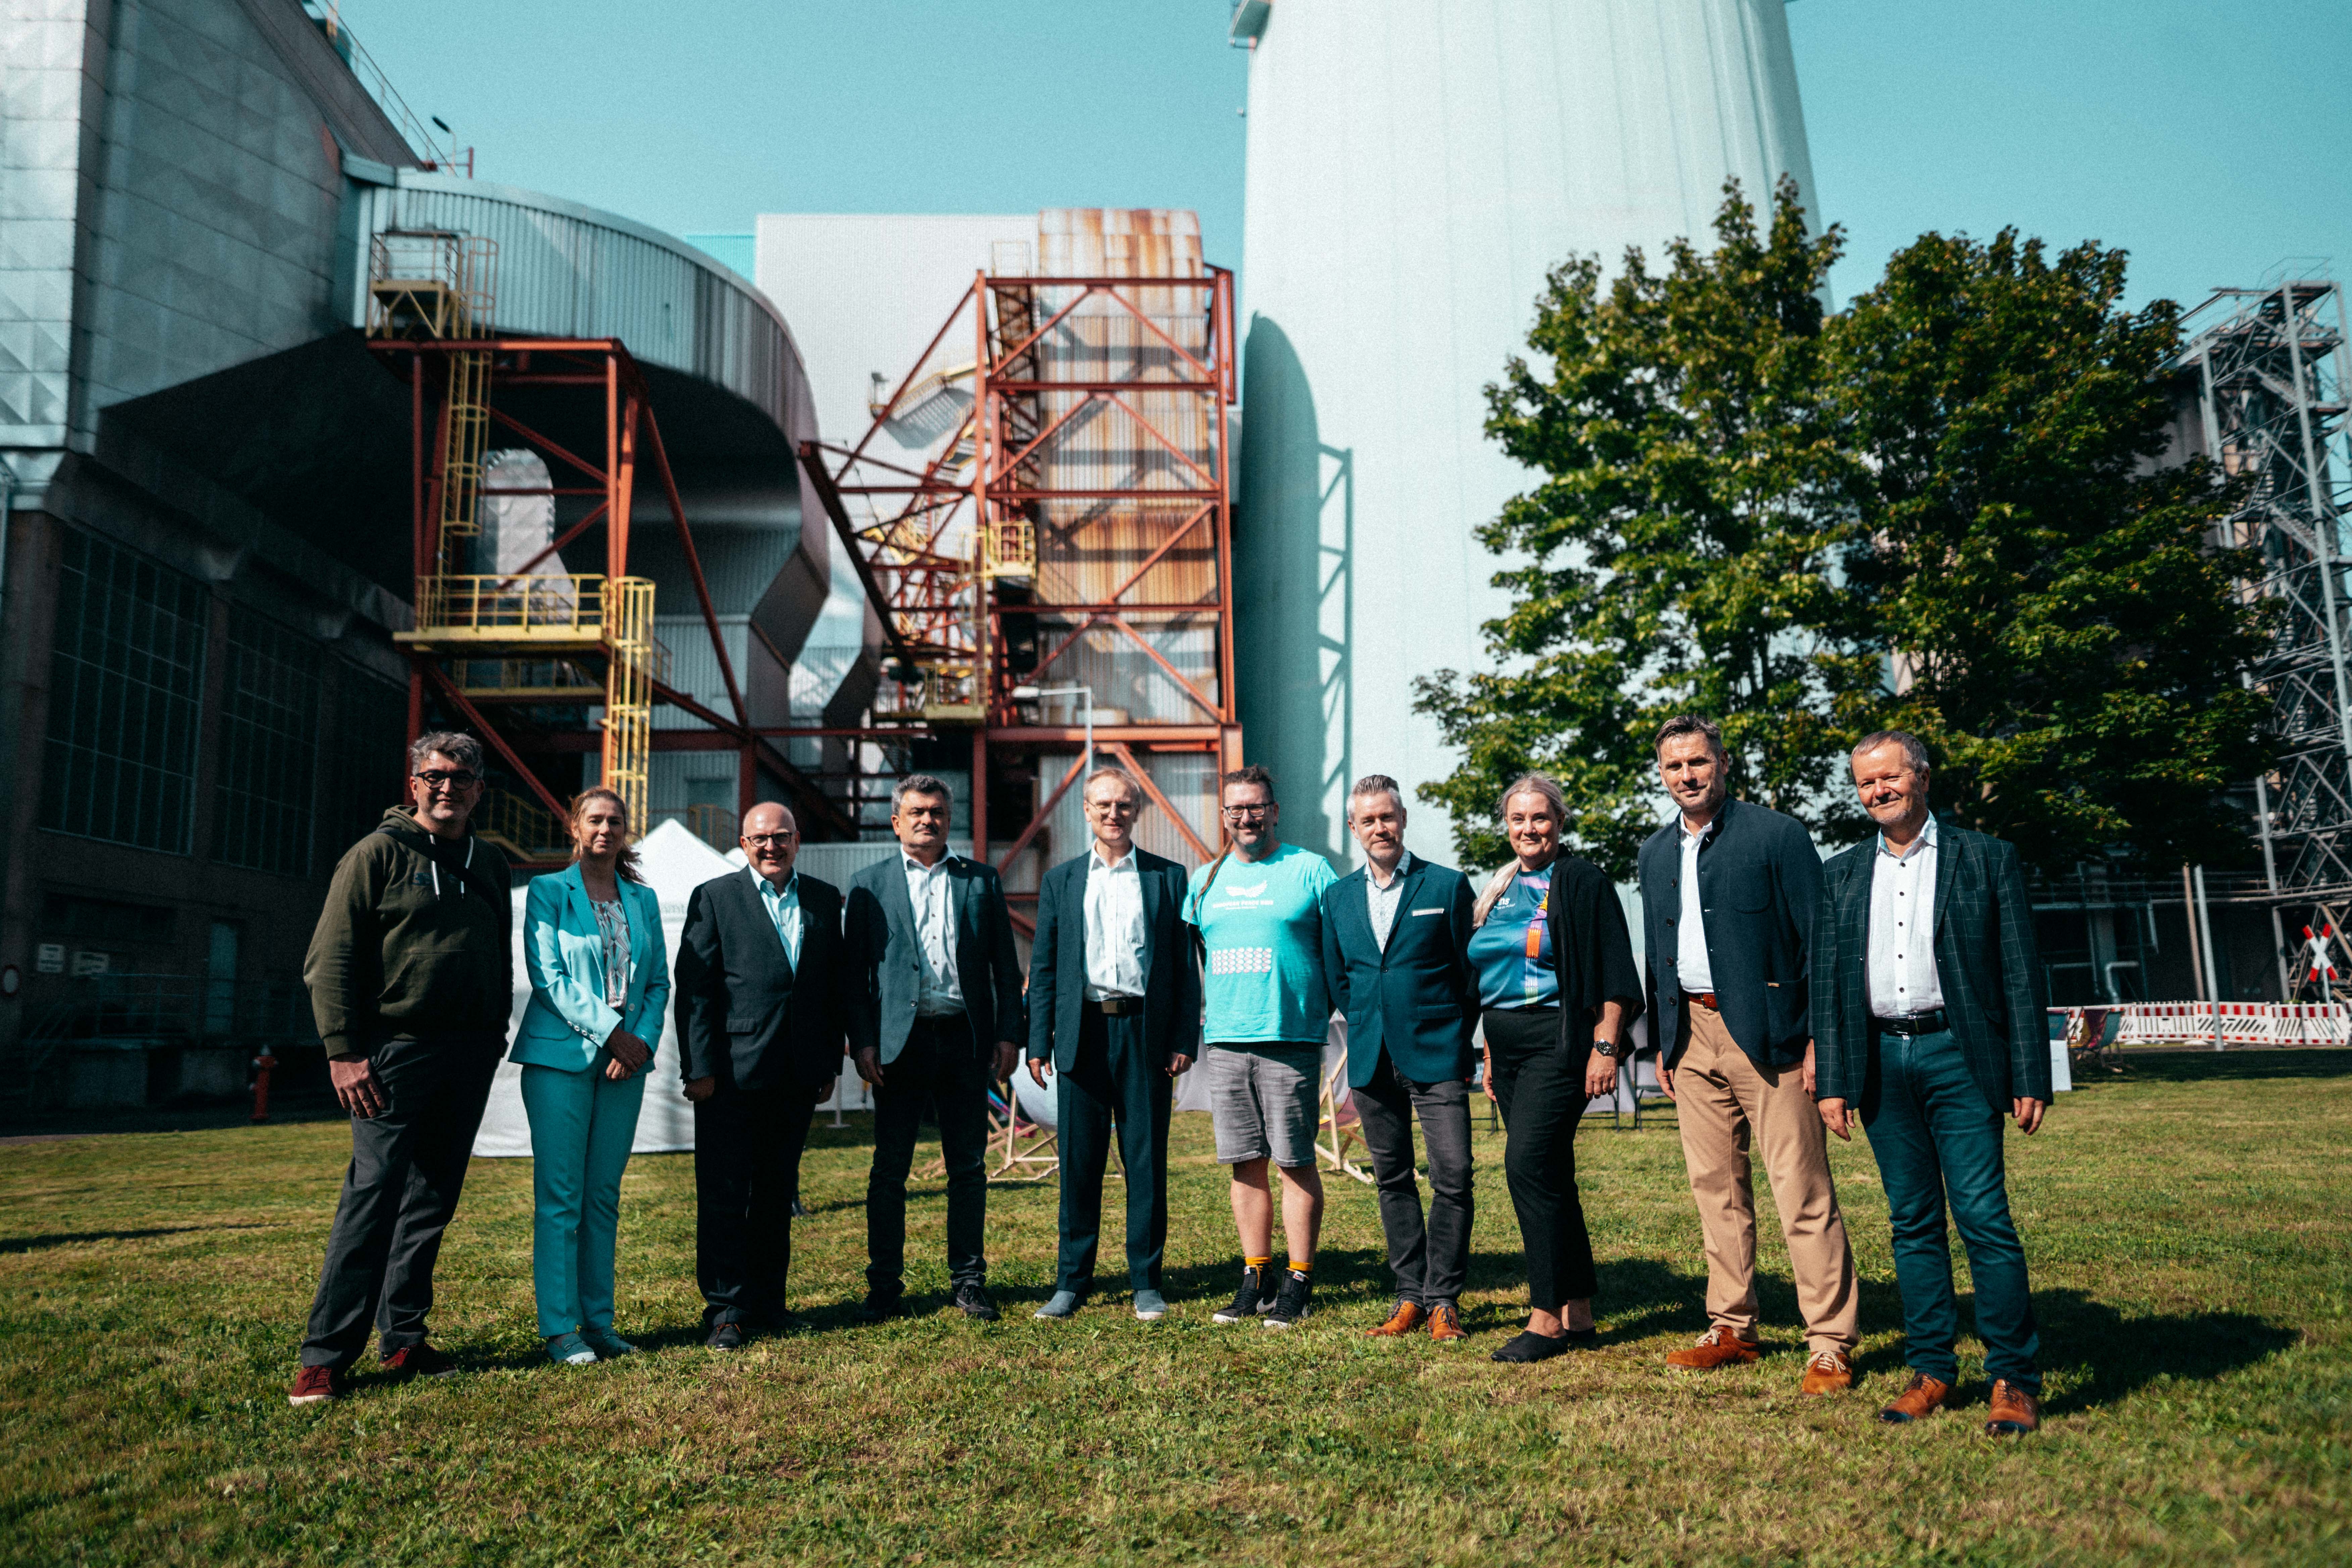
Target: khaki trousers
1723	1101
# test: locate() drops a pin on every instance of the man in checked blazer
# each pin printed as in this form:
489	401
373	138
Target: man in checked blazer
935	1016
1115	1008
1929	1021
1396	943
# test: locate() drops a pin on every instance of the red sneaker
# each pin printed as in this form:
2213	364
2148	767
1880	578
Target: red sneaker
419	1360
315	1385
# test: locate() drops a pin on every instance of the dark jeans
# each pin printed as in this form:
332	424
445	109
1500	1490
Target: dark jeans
1115	1082
940	1067
409	1166
1429	1264
1539	1085
747	1168
1937	1140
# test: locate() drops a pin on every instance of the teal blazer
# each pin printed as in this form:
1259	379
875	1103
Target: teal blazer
567	1020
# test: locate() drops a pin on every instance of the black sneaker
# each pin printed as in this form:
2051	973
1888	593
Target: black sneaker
878	1308
971	1299
1252	1301
725	1336
1290	1302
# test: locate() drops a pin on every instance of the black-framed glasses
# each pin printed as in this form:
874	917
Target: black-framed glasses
437	778
1247	812
768	840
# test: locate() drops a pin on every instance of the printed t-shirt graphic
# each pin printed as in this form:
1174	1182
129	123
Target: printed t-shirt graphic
1512	951
1262	927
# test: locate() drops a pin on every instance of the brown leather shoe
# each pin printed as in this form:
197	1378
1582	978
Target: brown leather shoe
1924	1398
1445	1323
2015	1411
1406	1319
1828	1371
1716	1347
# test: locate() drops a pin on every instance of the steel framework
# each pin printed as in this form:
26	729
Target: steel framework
1077	508
486	645
2272	375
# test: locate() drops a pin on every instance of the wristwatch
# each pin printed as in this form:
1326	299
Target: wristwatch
1606	1048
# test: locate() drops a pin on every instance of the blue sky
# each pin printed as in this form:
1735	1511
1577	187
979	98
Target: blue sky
2210	139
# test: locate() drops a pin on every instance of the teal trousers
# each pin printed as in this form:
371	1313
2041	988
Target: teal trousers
581	1124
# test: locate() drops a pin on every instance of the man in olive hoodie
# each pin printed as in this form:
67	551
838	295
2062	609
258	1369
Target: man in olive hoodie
410	979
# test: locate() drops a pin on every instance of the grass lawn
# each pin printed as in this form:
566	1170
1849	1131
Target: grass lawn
2189	1227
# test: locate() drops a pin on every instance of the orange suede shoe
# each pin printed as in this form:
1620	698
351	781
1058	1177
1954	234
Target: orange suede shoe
1714	1348
1406	1319
1829	1372
1445	1323
2015	1411
1923	1398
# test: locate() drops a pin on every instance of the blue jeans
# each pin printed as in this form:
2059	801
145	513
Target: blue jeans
1936	1141
582	1125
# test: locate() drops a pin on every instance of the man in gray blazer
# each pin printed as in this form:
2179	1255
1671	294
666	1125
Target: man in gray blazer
1728	895
1929	1012
935	1012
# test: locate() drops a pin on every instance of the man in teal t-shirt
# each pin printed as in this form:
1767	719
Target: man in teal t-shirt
1258	910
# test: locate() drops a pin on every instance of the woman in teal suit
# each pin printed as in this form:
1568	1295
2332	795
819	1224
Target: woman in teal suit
599	986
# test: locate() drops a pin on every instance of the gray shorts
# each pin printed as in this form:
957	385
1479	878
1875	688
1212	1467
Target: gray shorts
1266	1102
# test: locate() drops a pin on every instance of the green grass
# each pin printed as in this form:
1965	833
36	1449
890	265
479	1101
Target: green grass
2187	1227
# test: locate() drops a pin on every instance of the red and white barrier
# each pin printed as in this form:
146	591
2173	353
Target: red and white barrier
2225	1023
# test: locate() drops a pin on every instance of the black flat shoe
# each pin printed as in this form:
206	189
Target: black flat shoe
1532	1346
880	1309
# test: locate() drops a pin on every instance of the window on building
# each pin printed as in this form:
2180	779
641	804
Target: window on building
126	679
268	795
368	763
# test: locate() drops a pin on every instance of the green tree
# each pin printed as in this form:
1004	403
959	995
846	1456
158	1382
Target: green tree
1679	550
2061	629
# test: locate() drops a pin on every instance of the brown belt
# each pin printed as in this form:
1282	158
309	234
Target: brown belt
1704	998
1118	1006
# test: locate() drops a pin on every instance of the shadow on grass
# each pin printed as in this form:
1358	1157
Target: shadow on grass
16	1243
2111	1355
2208	1066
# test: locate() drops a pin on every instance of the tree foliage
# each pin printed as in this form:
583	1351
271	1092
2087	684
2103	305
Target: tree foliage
1937	510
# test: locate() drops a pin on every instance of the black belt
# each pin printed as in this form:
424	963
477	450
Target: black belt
1933	1022
1117	1006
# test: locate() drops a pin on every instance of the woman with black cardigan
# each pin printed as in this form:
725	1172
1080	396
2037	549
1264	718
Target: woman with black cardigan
1558	989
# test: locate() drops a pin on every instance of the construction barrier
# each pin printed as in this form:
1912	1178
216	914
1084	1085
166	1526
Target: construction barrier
2225	1023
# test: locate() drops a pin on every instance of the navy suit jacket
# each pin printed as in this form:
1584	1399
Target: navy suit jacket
747	1014
1759	881
1417	999
1057	964
1986	961
886	957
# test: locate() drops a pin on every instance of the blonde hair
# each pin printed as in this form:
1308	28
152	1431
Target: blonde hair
625	863
1500	883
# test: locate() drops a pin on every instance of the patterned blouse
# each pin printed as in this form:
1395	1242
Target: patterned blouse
1512	951
612	927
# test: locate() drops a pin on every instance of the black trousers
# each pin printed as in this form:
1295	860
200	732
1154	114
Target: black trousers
1430	1262
400	1191
941	1067
1114	1083
1540	1084
747	1169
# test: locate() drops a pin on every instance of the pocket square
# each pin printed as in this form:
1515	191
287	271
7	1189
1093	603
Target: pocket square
1433	909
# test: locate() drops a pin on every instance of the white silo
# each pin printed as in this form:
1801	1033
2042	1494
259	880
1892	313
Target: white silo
1415	167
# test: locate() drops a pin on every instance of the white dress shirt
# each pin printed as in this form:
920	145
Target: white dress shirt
1902	963
783	907
1381	901
1693	971
939	994
1115	933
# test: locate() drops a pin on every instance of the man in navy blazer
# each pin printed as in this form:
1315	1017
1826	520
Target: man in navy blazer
761	1021
1728	895
1929	1003
935	1018
1396	943
1115	1008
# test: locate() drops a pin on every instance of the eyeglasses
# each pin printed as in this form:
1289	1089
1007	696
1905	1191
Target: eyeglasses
1246	813
435	778
767	840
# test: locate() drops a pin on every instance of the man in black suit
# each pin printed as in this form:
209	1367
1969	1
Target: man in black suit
1396	954
1115	1006
761	1017
1929	1008
935	1015
1728	895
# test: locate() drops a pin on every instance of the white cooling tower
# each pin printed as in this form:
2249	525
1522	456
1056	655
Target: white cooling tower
1415	167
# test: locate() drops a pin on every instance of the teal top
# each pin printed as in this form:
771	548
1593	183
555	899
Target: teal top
1261	924
1512	951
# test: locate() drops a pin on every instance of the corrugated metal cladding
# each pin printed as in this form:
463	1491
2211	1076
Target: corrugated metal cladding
1086	550
1187	778
567	271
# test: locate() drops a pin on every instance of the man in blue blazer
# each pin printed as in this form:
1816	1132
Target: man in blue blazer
1929	1009
1115	1008
1396	942
935	1018
762	1013
1727	894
